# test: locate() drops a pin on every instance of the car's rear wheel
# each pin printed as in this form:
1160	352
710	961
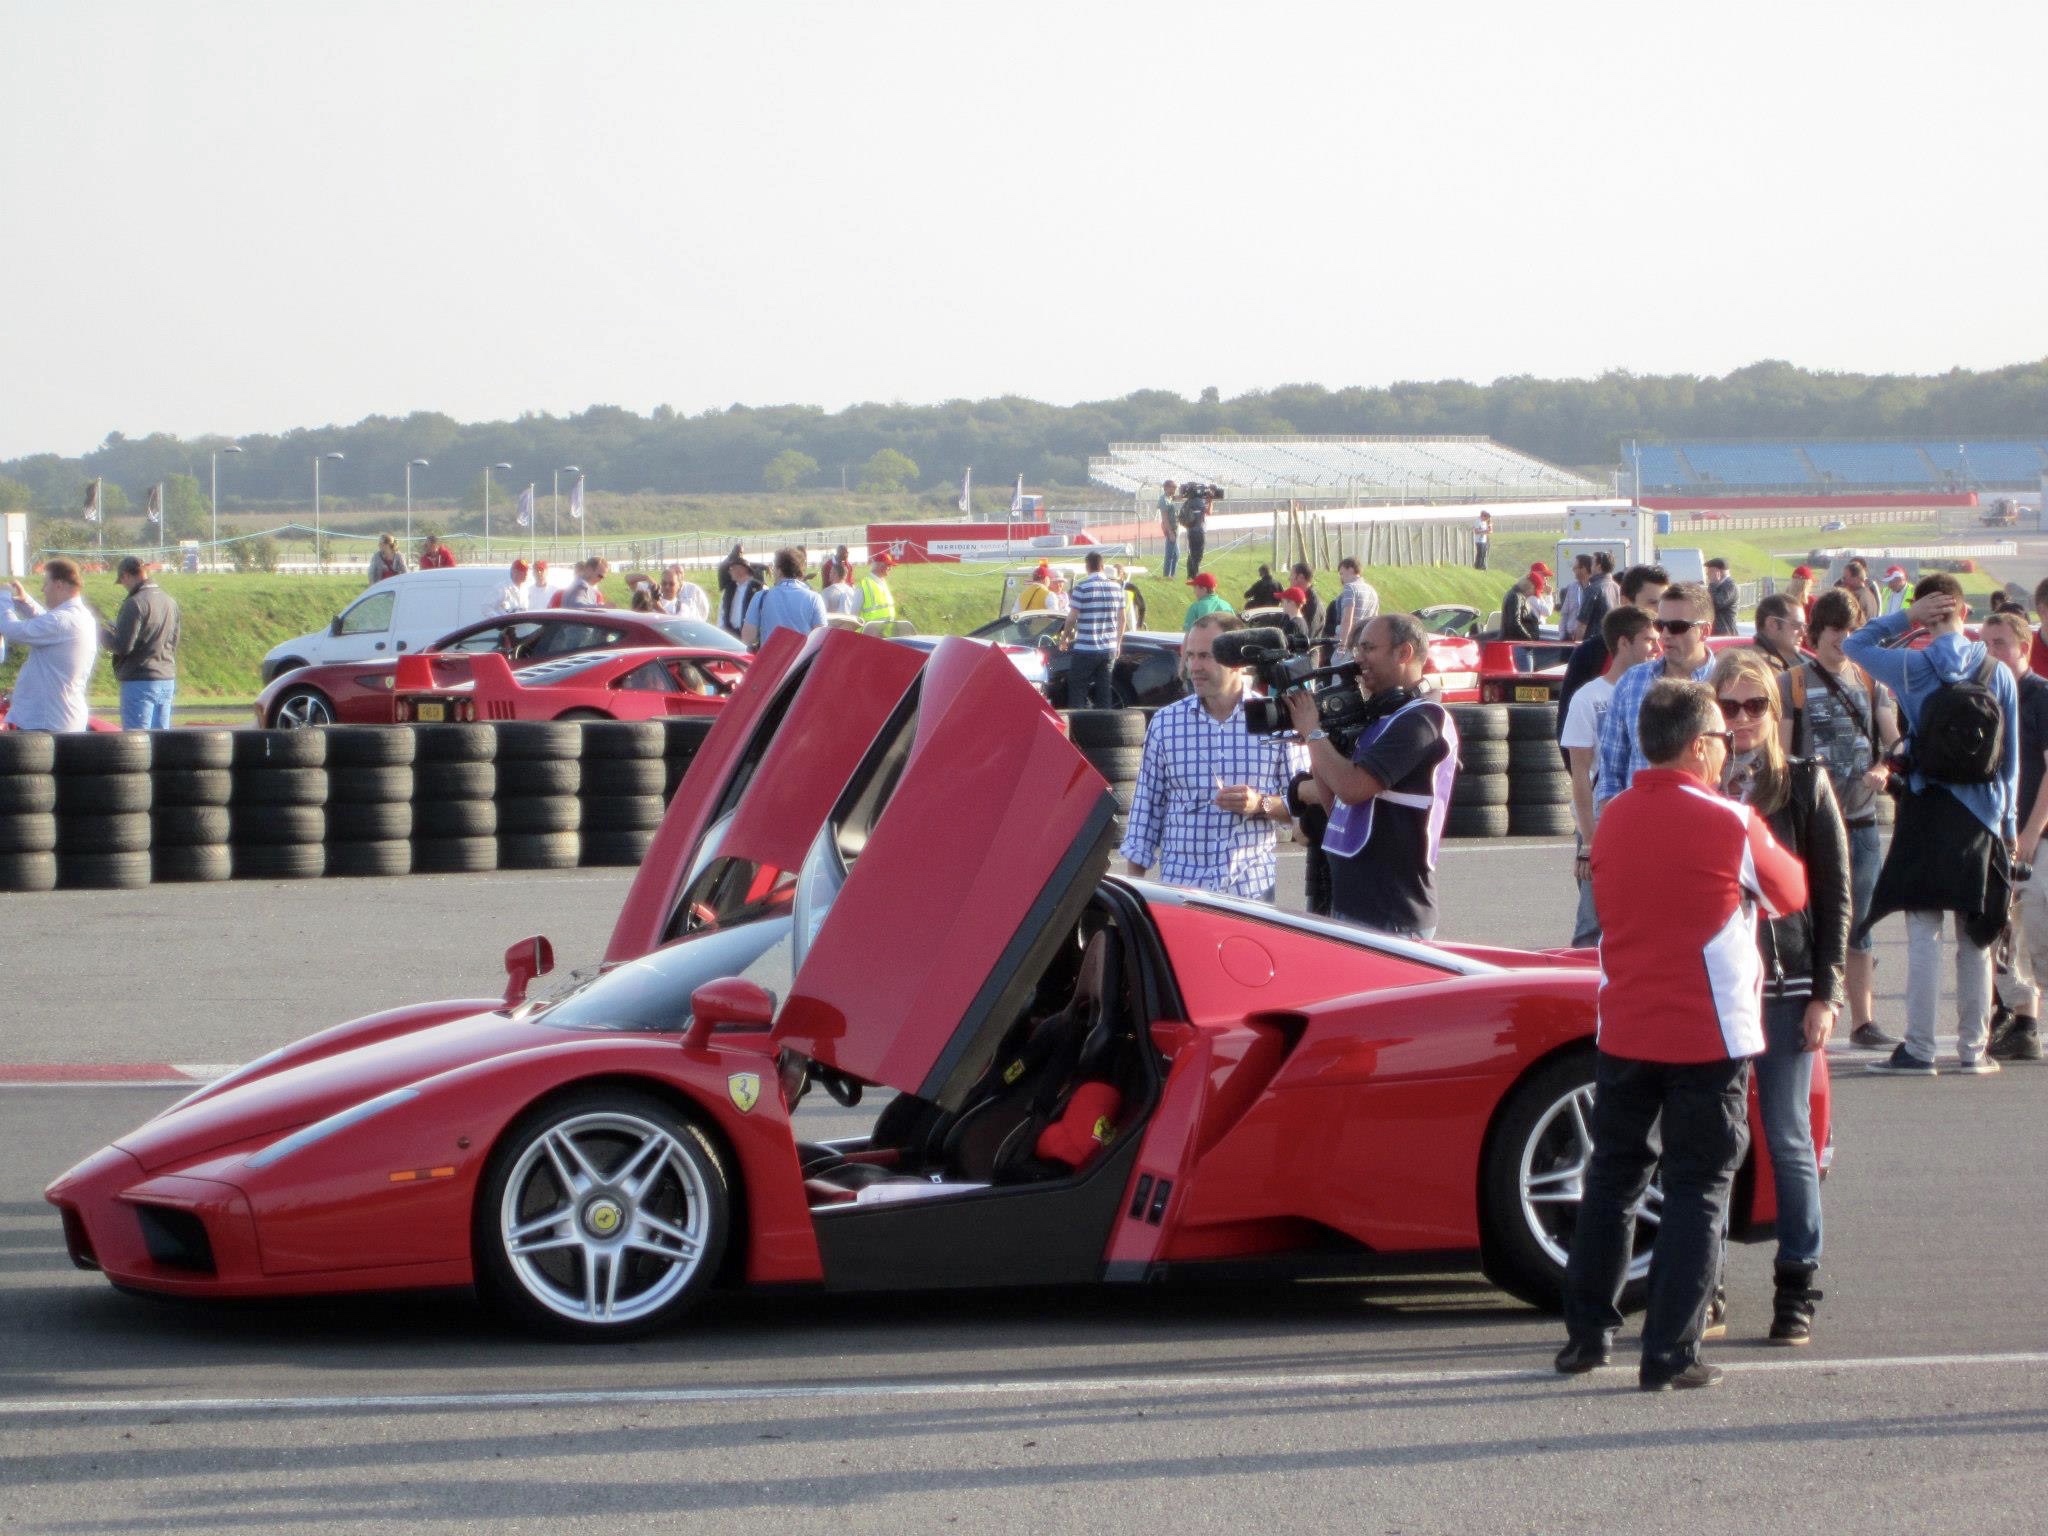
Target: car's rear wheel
604	1214
301	707
1534	1180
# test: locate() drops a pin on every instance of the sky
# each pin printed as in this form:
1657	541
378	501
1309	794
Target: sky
234	218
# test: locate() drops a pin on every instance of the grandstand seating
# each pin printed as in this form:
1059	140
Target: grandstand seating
1760	464
1990	463
1871	463
1663	468
1814	467
1366	467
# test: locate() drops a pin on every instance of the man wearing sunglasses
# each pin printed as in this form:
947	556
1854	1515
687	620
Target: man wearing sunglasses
1780	631
1684	616
1680	1016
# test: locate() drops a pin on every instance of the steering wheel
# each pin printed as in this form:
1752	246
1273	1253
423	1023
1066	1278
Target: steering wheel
844	1090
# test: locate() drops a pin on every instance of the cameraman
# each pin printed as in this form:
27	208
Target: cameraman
1388	800
1210	794
1194	517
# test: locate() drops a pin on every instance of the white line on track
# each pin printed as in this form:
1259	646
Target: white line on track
1333	1381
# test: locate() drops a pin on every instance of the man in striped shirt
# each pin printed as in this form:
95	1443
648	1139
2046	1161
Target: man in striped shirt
1210	795
1094	633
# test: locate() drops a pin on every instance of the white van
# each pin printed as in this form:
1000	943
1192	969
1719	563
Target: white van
404	613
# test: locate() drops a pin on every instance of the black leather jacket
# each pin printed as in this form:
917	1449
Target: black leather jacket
1813	942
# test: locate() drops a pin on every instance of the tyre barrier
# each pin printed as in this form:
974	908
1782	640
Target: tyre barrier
540	805
624	775
103	800
277	805
28	805
1113	741
1479	794
369	800
455	795
189	820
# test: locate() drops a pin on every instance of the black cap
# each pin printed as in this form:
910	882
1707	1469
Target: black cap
129	566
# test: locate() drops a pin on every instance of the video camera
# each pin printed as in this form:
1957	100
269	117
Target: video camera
1194	493
1284	666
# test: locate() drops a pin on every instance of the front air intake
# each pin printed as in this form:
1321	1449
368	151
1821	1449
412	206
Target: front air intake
176	1239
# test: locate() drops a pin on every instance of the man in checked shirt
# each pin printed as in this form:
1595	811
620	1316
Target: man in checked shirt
1210	795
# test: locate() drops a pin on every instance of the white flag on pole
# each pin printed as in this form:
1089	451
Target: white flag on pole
153	509
1017	501
526	507
967	492
92	501
576	499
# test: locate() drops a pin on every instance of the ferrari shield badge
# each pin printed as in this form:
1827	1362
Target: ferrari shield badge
745	1088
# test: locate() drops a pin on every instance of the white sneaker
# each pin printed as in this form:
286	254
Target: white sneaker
1981	1066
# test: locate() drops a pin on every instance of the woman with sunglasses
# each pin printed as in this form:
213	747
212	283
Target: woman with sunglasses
1803	955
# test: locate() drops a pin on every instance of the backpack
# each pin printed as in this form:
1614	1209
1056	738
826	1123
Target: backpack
1191	515
1960	737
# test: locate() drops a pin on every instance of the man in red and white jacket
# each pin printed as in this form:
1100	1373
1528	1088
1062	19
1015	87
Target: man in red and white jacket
1684	873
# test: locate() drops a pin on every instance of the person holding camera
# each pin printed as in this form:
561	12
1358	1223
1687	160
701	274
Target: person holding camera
1388	798
1953	838
1194	520
1211	795
1169	526
2015	1025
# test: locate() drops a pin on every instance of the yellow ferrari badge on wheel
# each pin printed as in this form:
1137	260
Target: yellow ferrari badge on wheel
745	1088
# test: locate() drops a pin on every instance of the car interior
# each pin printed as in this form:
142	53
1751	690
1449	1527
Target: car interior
1073	1075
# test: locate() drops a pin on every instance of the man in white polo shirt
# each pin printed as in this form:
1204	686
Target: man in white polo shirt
63	640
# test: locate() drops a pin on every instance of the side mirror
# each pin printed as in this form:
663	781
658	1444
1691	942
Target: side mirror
730	1000
334	626
524	961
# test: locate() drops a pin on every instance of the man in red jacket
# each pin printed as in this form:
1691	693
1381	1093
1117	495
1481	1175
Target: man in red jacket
1684	871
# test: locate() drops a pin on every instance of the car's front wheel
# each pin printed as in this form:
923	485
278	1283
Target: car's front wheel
603	1214
1534	1180
301	707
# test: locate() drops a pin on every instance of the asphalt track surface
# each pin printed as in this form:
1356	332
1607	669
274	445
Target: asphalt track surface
1411	1404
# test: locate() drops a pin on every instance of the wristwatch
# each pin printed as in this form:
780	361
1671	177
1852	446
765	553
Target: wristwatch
1318	734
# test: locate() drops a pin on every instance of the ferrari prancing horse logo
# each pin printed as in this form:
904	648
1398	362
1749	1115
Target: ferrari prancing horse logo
745	1088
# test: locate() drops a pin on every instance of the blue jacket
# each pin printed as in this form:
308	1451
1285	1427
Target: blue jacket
1915	675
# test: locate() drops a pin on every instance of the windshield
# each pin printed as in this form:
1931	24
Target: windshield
1021	628
653	992
695	632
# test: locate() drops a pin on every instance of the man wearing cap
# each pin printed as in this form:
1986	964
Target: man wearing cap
144	645
1800	588
1524	607
1207	601
877	602
1036	590
1292	601
515	595
1895	598
1194	517
1722	589
1169	525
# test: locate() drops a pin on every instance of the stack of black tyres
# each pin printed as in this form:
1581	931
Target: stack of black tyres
103	799
682	739
1539	786
28	804
454	799
278	814
1113	741
369	800
1479	794
624	775
540	804
192	778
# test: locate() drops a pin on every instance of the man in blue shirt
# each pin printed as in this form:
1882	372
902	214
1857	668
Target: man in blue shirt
789	604
1094	633
1916	677
1684	616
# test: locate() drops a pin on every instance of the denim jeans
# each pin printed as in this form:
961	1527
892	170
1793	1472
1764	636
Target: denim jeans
1088	680
146	705
1784	1091
1704	1111
1172	561
1866	858
1585	922
1923	987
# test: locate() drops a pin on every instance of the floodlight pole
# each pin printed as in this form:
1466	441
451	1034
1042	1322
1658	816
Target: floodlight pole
411	465
214	542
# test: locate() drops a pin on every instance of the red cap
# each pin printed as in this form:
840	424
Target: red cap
1042	572
880	558
1205	581
539	566
1294	595
520	568
1802	572
1539	566
1894	570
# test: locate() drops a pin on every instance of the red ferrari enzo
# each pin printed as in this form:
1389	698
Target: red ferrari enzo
359	692
642	683
886	872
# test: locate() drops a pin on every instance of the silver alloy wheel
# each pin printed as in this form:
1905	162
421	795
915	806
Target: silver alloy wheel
1553	1181
605	1218
296	710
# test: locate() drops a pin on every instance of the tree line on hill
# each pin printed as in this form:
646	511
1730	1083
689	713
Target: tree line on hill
924	448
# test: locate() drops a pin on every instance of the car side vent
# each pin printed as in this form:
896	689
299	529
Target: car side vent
176	1239
77	1241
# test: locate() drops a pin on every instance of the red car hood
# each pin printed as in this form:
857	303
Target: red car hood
299	1095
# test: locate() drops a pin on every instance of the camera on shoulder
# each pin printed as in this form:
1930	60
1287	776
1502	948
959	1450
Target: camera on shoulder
1284	667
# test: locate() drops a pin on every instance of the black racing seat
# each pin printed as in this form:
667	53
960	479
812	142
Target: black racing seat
992	1140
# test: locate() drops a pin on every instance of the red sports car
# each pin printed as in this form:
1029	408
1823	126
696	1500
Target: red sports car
640	683
359	692
886	872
